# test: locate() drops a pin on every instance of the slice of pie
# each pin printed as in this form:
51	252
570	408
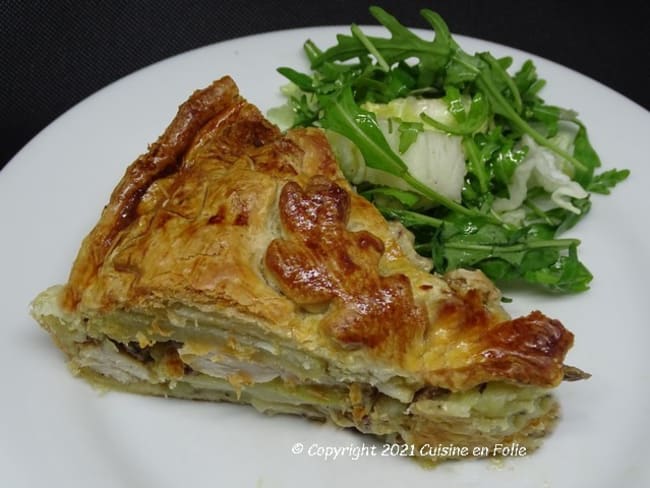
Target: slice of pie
235	263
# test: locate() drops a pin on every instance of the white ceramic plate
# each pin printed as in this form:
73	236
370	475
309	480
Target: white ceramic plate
57	431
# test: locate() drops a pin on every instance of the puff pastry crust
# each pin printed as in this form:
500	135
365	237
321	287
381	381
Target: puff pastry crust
233	257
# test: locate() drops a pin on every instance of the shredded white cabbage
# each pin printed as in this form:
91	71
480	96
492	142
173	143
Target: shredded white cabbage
540	168
435	158
409	109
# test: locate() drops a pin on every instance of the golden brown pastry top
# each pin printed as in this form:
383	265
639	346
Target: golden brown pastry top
320	262
227	214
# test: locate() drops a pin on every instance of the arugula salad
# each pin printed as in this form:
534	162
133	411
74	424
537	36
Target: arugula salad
467	156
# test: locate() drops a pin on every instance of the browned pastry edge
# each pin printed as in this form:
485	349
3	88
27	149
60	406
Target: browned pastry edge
162	158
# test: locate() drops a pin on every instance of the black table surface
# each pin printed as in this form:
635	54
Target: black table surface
55	53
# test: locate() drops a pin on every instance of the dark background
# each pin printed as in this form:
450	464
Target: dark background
53	54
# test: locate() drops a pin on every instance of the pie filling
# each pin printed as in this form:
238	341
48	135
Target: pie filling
209	358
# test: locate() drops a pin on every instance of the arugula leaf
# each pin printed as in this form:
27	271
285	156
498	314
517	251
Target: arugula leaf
528	83
492	160
491	111
410	218
603	183
408	134
567	274
301	80
468	123
585	153
476	161
531	254
344	116
406	198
